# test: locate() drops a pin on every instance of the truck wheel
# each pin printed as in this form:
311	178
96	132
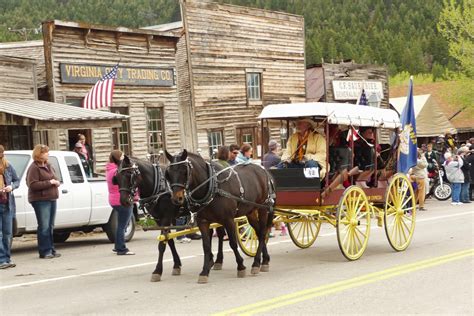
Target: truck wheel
111	228
60	237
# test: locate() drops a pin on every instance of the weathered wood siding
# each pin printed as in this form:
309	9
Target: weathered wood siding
223	43
102	47
29	49
351	71
18	78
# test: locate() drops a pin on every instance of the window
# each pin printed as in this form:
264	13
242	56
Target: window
283	137
19	163
77	102
121	135
215	141
19	137
74	169
57	171
156	140
247	139
253	86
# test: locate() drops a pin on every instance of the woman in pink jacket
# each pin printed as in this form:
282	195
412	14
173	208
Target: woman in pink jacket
124	213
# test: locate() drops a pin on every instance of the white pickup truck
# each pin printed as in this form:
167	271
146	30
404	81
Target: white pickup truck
82	205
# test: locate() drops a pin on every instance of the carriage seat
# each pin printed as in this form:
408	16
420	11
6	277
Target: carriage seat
293	179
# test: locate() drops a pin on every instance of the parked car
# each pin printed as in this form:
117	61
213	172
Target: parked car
82	205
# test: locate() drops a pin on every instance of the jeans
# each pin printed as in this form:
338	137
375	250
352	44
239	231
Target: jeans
456	194
6	228
124	214
45	212
465	193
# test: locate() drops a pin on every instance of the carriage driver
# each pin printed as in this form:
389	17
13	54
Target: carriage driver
306	148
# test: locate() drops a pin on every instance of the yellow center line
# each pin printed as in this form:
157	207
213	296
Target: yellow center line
296	297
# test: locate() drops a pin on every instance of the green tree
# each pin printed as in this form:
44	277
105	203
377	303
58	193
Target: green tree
456	24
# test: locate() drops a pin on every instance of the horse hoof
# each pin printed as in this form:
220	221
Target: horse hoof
255	270
176	271
203	279
155	278
218	266
241	273
265	268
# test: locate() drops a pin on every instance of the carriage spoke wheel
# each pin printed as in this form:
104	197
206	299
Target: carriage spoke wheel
353	223
400	212
247	237
304	231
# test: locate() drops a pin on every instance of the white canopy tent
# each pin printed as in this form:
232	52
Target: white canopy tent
336	113
430	119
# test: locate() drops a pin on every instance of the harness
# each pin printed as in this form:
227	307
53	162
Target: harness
214	189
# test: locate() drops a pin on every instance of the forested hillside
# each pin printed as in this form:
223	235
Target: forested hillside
401	34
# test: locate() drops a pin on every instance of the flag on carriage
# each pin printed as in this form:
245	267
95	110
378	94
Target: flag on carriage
407	149
352	135
362	98
102	92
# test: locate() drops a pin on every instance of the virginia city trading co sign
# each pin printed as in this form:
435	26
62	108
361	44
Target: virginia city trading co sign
350	89
133	76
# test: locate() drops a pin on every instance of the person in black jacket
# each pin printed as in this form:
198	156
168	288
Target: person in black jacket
464	152
470	160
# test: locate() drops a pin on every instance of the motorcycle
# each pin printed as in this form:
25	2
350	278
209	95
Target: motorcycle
438	184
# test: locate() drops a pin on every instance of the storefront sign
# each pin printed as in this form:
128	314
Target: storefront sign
131	76
351	89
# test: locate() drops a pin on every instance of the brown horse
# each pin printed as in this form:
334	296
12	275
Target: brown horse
149	180
218	195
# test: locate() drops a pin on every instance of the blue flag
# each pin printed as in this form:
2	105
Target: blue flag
407	148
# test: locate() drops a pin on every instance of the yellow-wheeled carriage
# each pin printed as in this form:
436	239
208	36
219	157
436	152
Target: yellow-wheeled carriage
303	203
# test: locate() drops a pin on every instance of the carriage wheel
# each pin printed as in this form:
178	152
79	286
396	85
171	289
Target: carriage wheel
247	237
304	231
353	223
400	212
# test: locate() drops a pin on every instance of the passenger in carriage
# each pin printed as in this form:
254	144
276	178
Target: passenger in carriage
364	155
306	148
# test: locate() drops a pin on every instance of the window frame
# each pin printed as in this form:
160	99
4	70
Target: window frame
151	149
209	140
249	87
118	132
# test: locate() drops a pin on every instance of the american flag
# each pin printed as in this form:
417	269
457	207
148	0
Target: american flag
102	92
352	135
362	99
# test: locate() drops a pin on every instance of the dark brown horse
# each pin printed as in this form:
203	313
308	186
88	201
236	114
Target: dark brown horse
149	180
218	195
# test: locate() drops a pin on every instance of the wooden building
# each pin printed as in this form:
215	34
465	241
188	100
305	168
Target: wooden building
26	121
232	61
344	81
78	54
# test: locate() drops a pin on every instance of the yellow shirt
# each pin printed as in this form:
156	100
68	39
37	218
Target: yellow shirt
315	150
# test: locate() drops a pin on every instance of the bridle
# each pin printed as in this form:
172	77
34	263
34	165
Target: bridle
189	168
134	174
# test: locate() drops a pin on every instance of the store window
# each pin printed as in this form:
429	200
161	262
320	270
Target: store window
254	86
216	140
122	134
156	139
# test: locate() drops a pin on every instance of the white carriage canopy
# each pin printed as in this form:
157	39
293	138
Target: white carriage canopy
336	113
430	119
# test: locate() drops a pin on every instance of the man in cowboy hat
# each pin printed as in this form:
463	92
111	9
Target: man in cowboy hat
306	148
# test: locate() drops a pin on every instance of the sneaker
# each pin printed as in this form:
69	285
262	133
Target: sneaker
56	255
4	265
460	203
126	253
185	240
12	264
49	256
422	209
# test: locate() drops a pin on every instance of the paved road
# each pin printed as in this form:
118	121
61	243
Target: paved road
434	275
